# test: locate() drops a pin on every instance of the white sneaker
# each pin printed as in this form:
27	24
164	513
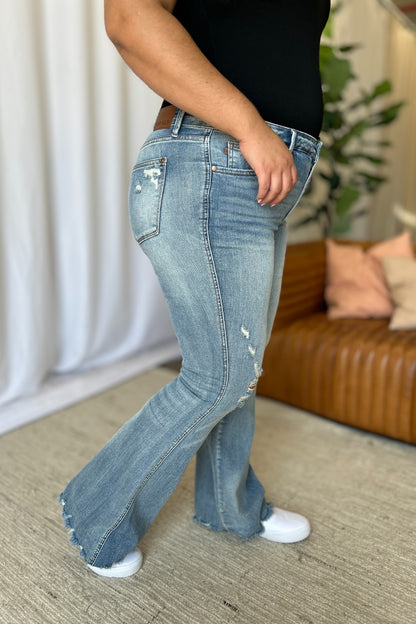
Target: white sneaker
285	527
126	567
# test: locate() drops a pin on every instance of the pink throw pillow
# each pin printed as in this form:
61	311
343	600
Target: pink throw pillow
355	282
401	277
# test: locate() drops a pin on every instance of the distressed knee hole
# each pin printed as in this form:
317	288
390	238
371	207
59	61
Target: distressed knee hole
257	369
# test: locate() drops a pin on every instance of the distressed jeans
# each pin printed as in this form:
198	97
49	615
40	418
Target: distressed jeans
219	257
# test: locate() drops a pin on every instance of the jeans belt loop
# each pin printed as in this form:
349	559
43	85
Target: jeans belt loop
293	140
177	121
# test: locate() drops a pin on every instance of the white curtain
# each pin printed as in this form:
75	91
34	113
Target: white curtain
76	291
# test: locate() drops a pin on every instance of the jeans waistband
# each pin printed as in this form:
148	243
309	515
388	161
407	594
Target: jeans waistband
292	137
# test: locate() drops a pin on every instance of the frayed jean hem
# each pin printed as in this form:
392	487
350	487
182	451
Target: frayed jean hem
67	518
266	513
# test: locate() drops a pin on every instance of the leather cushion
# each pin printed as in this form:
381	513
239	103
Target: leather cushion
354	371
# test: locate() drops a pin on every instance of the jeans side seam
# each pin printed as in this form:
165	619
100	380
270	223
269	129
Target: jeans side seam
219	498
215	481
210	257
219	501
207	188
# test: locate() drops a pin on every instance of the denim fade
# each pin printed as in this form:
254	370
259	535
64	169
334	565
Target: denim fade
219	258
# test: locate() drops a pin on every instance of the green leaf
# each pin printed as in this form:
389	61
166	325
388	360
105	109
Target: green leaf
345	201
333	120
387	115
325	153
381	89
356	130
372	178
340	226
327	32
369	96
337	6
349	48
335	72
338	157
361	102
334	180
372	182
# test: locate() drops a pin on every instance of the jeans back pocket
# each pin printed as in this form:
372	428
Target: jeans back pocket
145	197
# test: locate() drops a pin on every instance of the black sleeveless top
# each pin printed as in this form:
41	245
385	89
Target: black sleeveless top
269	49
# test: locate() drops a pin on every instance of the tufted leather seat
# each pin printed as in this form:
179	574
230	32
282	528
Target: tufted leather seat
354	371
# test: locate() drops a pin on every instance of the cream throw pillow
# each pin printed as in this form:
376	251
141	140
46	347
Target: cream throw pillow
355	282
401	278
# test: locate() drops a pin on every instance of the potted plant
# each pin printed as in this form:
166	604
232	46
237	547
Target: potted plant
350	154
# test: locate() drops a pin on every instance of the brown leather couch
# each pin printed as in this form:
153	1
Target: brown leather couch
354	371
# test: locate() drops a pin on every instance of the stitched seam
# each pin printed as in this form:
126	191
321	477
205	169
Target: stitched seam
242	172
207	188
219	493
196	138
162	165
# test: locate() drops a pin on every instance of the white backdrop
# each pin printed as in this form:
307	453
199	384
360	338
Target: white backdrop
76	291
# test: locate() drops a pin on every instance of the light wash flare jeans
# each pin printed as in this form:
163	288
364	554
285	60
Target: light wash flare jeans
219	257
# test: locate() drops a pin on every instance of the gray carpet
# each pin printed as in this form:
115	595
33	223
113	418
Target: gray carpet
358	566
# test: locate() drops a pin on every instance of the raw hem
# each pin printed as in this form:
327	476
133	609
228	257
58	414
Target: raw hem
266	513
68	525
206	525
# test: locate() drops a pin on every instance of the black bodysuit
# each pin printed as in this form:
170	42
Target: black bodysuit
269	49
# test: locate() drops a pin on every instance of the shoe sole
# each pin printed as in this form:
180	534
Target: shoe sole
121	571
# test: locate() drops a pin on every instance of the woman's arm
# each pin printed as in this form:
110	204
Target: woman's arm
161	52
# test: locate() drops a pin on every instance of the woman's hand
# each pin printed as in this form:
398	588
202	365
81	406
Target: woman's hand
272	162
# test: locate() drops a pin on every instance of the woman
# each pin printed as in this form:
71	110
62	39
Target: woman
233	149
